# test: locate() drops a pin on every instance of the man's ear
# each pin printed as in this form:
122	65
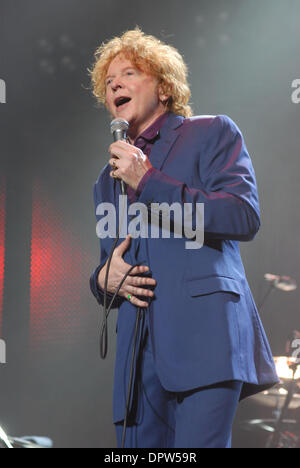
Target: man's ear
163	97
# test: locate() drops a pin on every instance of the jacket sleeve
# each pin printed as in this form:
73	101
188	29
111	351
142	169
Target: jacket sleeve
228	185
105	247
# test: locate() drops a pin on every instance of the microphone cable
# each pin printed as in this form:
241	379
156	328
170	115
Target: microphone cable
104	328
119	129
106	310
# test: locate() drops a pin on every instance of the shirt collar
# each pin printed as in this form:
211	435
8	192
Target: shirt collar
152	132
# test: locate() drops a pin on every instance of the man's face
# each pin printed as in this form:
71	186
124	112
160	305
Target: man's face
132	95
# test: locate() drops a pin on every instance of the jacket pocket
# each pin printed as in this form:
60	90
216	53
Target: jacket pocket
212	284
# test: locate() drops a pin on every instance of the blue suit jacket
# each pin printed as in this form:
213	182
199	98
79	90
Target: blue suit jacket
203	322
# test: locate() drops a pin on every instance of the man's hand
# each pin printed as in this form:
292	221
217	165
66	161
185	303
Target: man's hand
133	284
128	162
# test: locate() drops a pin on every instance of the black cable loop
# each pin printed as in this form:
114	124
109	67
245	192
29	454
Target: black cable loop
104	334
104	328
104	337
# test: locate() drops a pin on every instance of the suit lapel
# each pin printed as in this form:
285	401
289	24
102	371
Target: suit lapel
159	153
168	136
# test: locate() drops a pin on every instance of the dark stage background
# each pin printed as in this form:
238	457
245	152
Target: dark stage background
243	57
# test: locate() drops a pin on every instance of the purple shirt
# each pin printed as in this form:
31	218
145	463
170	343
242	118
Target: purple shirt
145	143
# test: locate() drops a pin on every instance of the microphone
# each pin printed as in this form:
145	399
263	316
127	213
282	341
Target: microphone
289	349
285	283
119	128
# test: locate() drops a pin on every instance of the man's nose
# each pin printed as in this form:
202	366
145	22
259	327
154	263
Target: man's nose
117	84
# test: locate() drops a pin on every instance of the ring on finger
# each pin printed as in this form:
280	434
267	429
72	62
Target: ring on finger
129	296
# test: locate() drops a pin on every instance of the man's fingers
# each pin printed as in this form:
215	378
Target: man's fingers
141	281
138	270
135	301
139	291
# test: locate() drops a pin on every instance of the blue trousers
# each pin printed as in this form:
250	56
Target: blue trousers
200	418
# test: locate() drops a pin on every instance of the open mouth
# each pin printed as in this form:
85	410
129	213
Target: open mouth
121	101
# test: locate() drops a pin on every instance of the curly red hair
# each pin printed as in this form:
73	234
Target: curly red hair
152	56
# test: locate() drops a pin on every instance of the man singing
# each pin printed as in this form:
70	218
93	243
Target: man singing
201	346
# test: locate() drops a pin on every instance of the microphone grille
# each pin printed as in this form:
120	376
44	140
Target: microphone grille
119	125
